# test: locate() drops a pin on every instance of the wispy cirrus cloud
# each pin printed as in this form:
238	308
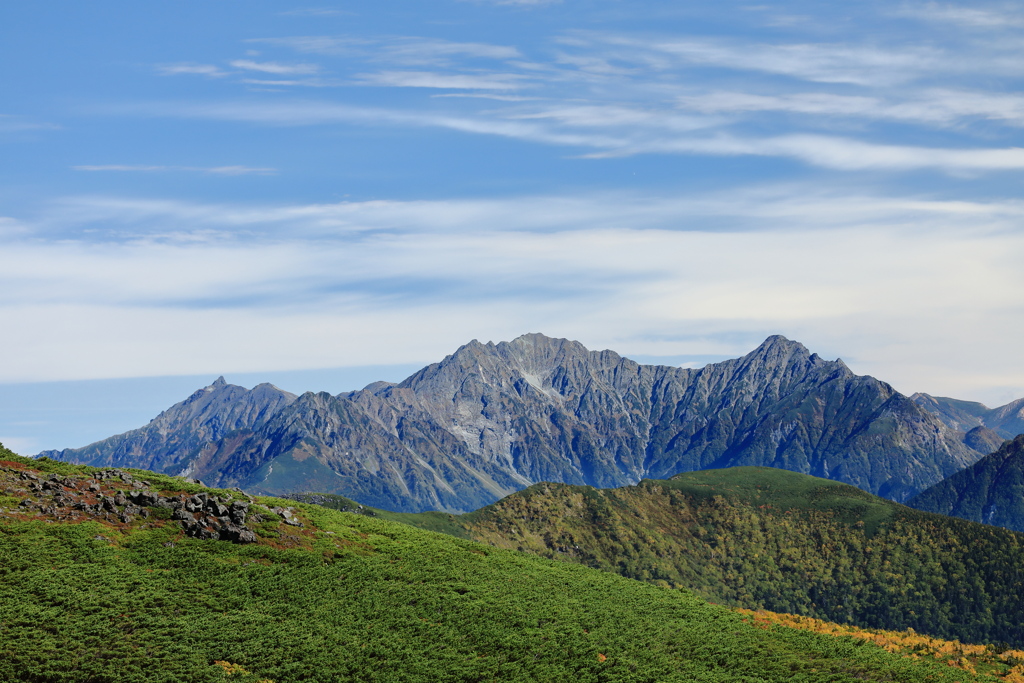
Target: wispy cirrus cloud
209	70
929	107
215	170
851	155
854	64
616	116
400	50
786	207
10	123
1000	18
617	134
616	94
275	68
449	81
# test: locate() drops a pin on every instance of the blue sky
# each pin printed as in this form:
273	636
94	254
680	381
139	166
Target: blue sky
266	189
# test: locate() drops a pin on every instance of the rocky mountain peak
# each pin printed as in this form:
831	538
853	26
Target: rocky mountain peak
492	418
538	358
533	357
776	366
374	387
778	350
267	390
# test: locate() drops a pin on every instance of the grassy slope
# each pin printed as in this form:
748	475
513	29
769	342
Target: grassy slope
771	539
355	598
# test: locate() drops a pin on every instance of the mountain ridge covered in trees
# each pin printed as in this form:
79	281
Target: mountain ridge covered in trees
990	491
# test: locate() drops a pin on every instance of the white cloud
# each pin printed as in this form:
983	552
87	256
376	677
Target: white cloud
486	96
609	94
856	64
612	116
421	51
899	286
275	67
16	124
960	15
426	79
240	170
396	50
275	84
932	106
10	227
663	136
845	154
196	69
216	170
797	207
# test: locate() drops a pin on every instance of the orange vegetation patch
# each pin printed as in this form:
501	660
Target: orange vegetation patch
231	669
1005	663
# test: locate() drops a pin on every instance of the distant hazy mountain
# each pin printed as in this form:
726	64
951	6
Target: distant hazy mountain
494	418
175	438
989	491
1006	421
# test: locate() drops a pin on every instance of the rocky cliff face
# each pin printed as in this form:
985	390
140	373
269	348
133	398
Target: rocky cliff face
493	418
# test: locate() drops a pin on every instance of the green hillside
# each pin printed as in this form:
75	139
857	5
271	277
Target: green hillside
95	587
763	538
990	491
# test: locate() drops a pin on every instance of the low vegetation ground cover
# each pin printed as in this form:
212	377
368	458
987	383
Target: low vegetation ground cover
998	660
763	538
350	597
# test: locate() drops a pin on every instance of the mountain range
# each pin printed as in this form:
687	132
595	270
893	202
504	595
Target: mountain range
491	419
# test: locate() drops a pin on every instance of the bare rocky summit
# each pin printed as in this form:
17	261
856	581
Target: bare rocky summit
491	419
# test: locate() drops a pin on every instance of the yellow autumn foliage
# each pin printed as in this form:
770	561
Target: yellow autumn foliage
1008	664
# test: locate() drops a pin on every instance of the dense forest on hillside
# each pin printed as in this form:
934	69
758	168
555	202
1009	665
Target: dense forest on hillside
990	491
762	538
124	594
